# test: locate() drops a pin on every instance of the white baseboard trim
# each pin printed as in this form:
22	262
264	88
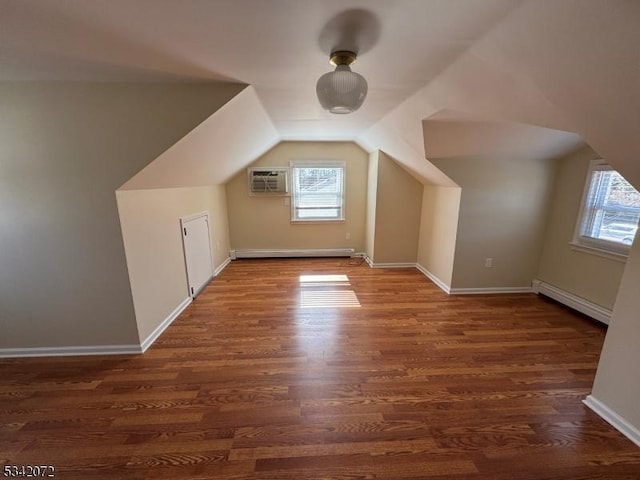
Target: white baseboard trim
222	266
470	291
490	290
443	286
70	351
288	253
570	300
97	349
618	422
164	325
373	264
391	265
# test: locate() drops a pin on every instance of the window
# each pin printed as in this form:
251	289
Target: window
610	211
318	191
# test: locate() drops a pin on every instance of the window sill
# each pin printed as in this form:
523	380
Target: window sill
618	257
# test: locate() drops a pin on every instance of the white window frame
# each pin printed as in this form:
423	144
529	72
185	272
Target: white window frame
295	164
601	247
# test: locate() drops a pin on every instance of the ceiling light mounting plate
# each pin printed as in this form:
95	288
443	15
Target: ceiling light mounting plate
342	57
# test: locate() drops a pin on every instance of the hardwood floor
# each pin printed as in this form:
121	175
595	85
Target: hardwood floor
279	371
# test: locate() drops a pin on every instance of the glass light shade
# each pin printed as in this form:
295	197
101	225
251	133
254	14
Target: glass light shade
341	91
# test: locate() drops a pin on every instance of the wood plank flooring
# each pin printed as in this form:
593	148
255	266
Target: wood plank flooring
320	369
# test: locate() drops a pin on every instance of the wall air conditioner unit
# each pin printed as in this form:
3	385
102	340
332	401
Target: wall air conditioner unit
268	180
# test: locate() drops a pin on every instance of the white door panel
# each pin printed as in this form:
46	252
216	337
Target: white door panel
197	251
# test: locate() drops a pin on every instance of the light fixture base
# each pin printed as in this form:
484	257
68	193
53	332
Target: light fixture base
342	57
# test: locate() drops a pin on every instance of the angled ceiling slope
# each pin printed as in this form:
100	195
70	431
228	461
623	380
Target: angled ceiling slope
581	75
281	47
449	134
230	139
569	65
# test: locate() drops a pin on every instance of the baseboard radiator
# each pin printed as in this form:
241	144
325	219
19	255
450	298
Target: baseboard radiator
292	253
582	305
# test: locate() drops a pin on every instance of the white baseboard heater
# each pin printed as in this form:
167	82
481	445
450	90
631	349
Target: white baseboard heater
292	253
590	309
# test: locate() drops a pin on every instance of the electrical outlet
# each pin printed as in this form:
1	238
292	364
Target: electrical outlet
286	201
488	262
348	236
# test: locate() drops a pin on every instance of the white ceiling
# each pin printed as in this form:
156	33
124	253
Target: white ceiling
565	65
449	134
280	47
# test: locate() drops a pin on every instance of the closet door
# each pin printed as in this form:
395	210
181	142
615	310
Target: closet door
197	251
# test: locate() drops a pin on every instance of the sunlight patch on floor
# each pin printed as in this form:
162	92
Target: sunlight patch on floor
324	280
329	299
319	291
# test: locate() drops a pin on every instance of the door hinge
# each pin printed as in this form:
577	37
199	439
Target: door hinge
185	231
191	290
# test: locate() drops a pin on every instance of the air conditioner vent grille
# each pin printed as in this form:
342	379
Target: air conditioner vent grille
268	180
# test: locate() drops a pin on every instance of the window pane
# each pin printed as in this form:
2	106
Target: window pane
612	210
318	200
333	213
317	193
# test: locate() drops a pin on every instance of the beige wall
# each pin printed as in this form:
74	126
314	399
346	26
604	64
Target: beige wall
64	149
238	133
397	213
588	276
616	384
265	222
503	214
150	221
438	230
372	191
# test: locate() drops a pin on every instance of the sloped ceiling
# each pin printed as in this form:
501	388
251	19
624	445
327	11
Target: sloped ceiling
570	66
281	47
449	134
210	153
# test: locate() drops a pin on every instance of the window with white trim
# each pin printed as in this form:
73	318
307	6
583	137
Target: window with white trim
610	211
318	191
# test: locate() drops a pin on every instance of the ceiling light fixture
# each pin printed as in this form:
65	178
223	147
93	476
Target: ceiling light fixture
341	91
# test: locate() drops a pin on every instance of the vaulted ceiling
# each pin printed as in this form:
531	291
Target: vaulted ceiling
570	65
